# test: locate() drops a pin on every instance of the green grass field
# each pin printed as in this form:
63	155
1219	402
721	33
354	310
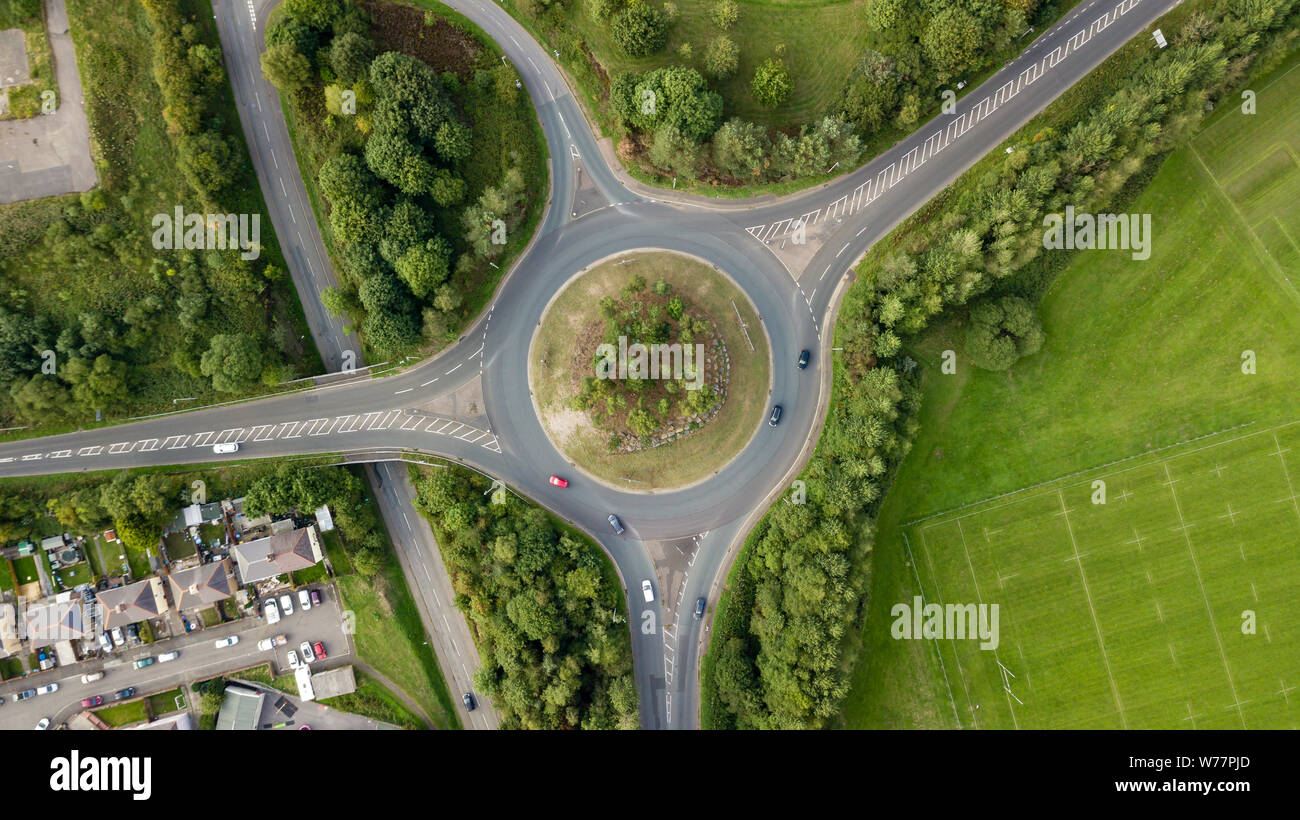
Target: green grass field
1140	360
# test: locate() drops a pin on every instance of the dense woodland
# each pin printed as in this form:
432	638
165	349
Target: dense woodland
786	645
402	154
544	604
92	316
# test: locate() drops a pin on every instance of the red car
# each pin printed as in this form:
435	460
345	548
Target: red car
559	482
89	702
319	649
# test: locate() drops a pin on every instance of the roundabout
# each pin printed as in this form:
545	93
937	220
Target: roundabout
665	414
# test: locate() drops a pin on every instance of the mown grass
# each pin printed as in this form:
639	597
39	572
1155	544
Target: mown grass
123	714
688	459
1139	355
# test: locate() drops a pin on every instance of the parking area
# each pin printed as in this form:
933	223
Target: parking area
198	658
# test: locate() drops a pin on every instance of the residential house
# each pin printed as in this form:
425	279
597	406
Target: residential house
278	554
57	619
201	586
133	603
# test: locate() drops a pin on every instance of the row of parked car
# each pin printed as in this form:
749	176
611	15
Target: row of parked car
307	598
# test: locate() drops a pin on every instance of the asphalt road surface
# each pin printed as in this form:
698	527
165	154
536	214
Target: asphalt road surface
793	285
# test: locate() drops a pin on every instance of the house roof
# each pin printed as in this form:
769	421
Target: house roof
277	554
240	709
132	603
203	585
54	621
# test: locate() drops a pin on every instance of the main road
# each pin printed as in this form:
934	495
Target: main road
793	284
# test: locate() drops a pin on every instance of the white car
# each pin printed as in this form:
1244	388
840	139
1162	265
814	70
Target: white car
47	689
307	655
272	611
105	643
44	724
168	656
118	638
92	677
293	659
228	447
286	603
224	642
304	600
648	591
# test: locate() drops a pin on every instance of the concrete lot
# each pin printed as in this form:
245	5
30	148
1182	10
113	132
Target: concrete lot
49	154
199	660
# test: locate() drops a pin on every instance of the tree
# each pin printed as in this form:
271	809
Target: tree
771	84
740	148
640	30
424	266
285	67
350	56
206	161
721	57
368	561
41	398
233	362
1001	332
100	385
725	14
950	40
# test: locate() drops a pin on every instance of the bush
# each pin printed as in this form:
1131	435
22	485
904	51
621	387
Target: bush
771	84
640	30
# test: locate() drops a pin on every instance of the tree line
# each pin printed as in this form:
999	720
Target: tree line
782	656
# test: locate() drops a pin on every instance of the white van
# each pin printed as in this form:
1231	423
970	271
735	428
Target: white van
228	447
91	678
168	656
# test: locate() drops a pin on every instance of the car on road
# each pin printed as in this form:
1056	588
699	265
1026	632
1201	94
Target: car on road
616	524
272	611
647	591
228	447
169	656
315	597
558	482
293	659
142	663
319	648
699	609
24	695
773	419
118	638
224	642
123	694
272	642
44	723
47	689
804	356
305	649
95	700
304	600
286	604
468	700
91	677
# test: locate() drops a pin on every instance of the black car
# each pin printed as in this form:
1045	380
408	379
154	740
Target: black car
775	417
123	694
699	609
468	700
803	360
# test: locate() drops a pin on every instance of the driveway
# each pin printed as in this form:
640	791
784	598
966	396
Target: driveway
49	154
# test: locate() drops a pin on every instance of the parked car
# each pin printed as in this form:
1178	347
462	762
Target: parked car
319	648
286	604
47	689
105	643
647	590
44	723
773	419
304	600
293	659
95	700
228	447
468	700
305	649
803	360
315	597
133	633
118	638
272	611
123	694
24	695
92	677
269	643
616	524
169	656
559	482
142	663
224	642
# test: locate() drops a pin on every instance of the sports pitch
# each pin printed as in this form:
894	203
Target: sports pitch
1130	613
